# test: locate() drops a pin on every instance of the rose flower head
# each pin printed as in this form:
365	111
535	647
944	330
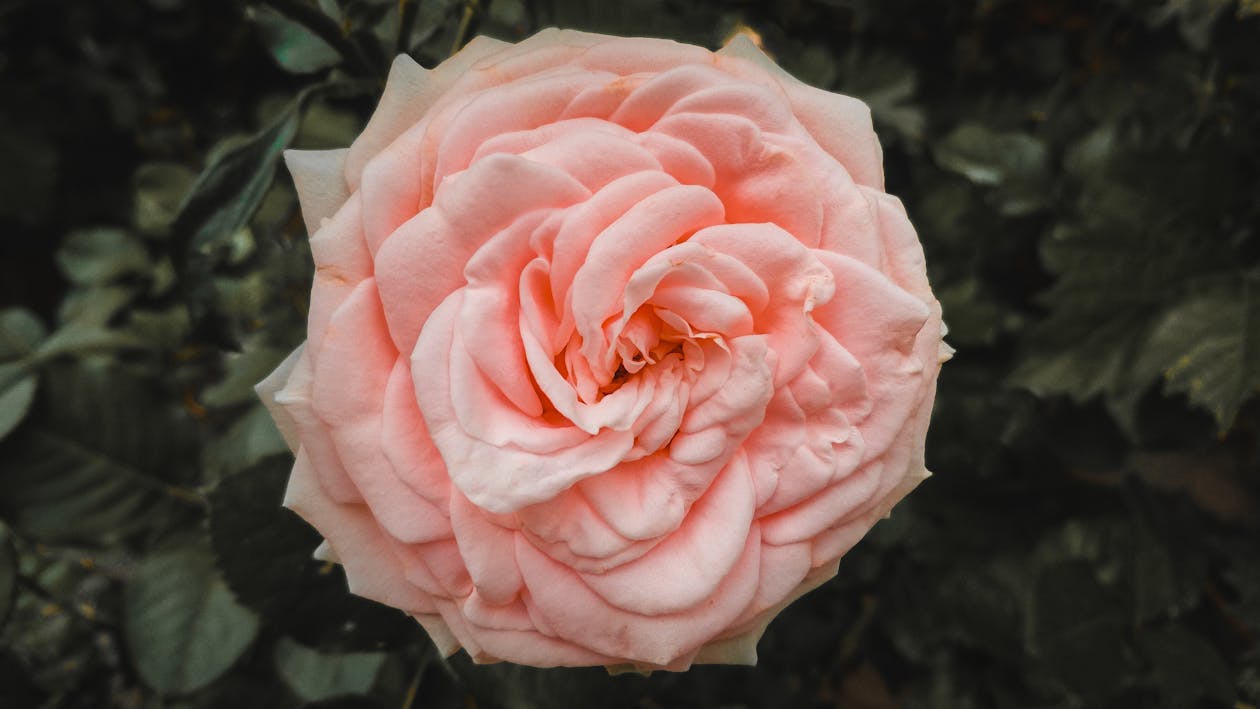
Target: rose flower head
615	347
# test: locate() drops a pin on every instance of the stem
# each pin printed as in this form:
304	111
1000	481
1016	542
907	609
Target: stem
410	697
407	10
471	8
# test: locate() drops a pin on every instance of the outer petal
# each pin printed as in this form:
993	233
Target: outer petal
320	181
410	91
371	568
269	387
841	124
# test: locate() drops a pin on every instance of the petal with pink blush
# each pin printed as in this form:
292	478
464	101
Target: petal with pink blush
688	566
740	404
781	188
679	159
423	261
799	280
878	323
390	189
906	265
348	396
594	158
575	612
850	219
729	143
650	101
524	644
500	479
584	222
488	551
406	442
295	400
342	261
824	510
841	124
355	360
522	105
410	91
643	499
625	55
650	226
568	529
767	109
491	299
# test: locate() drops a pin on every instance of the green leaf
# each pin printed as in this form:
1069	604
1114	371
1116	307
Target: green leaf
1072	612
1209	347
17	391
244	370
224	198
251	439
20	333
90	463
235	181
8	575
1186	667
295	48
265	552
887	83
87	322
1015	164
1115	281
100	256
182	625
315	675
160	188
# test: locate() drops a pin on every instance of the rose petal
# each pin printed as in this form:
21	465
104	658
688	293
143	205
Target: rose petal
410	91
319	176
841	124
688	566
371	568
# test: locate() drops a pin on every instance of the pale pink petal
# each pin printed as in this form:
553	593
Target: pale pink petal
443	640
269	387
687	567
423	261
646	228
497	478
409	93
841	124
319	176
878	323
295	400
371	568
488	550
342	261
406	442
577	613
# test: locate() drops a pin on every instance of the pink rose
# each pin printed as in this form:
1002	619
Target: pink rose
615	347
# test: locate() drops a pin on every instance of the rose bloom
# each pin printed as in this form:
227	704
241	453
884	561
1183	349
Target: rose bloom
615	347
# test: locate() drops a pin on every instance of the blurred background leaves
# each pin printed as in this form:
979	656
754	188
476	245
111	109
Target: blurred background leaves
1084	177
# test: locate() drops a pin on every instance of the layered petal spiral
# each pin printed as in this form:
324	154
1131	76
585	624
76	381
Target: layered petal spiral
615	347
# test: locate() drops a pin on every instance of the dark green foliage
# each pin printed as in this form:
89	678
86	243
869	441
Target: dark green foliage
1084	177
266	558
